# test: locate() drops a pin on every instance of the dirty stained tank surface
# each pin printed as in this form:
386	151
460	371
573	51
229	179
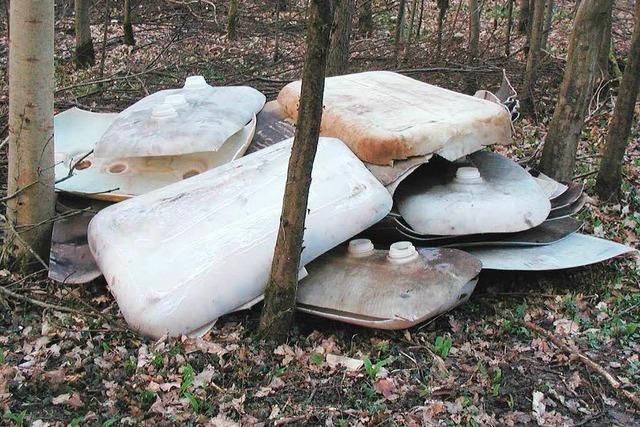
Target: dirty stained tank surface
388	289
80	172
384	116
193	119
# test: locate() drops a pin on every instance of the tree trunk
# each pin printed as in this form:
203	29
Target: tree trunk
548	21
105	33
474	39
507	45
365	17
232	20
129	40
30	180
559	154
443	5
280	294
412	20
420	20
84	55
606	45
533	58
610	175
523	22
399	28
338	60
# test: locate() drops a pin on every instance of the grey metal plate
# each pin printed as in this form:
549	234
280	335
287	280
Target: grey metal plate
573	193
392	229
272	127
70	260
576	250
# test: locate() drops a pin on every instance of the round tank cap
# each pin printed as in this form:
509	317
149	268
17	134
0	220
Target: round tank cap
176	101
360	247
164	112
195	82
402	251
468	174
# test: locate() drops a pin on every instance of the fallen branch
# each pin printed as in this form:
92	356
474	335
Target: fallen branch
41	304
612	380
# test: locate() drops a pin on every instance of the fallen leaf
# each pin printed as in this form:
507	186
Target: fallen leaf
385	387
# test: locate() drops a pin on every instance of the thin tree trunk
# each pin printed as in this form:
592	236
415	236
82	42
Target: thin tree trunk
414	6
232	20
280	294
583	60
610	174
129	39
84	54
523	14
443	5
7	14
399	28
474	39
606	45
533	58
548	22
507	45
105	32
420	20
31	160
338	60
365	17
276	47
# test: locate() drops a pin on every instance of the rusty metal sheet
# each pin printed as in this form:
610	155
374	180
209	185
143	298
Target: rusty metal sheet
447	198
80	172
384	116
387	290
576	250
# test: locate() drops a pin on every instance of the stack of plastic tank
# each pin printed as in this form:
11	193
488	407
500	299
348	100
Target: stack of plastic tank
425	144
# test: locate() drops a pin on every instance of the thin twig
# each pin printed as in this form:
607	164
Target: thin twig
41	303
73	167
613	381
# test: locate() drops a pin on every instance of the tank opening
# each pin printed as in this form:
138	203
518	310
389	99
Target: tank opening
117	168
84	164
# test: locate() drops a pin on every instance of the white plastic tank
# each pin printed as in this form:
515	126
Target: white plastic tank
196	118
179	257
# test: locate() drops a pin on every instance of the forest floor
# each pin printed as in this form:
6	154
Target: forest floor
76	363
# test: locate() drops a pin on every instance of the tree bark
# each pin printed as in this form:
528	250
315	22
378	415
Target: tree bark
365	17
533	58
129	39
338	60
84	54
474	40
523	22
412	20
399	28
31	210
559	154
507	45
610	174
280	294
548	22
443	5
232	20
420	20
606	45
